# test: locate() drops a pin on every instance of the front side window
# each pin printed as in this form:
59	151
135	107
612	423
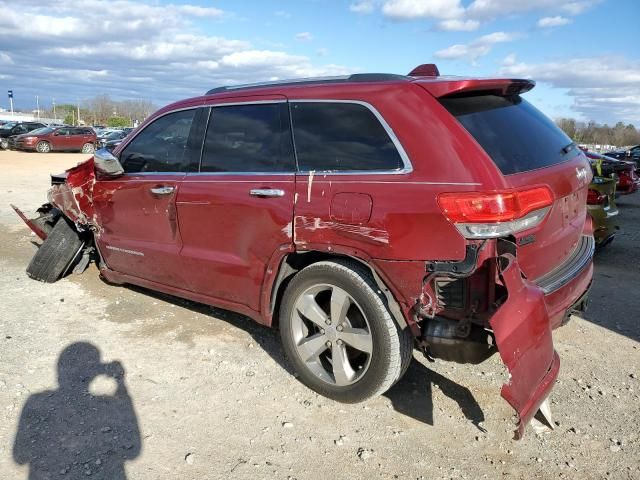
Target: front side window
341	136
163	146
248	138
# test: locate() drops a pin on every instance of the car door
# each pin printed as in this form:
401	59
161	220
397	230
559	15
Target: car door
236	212
139	233
76	139
60	139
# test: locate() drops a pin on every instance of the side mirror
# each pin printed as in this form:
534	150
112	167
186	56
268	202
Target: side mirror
106	165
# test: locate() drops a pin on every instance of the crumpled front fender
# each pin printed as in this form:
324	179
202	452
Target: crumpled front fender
523	336
74	197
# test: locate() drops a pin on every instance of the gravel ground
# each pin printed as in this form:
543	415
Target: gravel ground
117	382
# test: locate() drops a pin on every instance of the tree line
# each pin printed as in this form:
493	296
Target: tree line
591	133
102	110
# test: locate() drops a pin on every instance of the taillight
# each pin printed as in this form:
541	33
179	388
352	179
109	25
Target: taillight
496	214
594	197
624	179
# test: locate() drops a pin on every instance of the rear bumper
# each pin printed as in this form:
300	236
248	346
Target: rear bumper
565	285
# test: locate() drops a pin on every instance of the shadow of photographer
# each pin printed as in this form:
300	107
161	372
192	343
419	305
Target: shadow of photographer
72	433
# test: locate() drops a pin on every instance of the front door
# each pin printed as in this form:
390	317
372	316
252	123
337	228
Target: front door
136	212
237	211
61	139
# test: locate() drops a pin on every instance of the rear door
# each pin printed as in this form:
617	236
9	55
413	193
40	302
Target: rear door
236	213
139	233
530	150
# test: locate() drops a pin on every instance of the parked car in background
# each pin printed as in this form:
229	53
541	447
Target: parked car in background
601	205
454	221
110	138
632	154
70	139
627	179
16	128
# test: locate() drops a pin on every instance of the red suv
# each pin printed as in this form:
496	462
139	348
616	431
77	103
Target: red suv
366	215
45	140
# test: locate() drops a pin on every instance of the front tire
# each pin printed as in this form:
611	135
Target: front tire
4	144
338	334
43	147
61	247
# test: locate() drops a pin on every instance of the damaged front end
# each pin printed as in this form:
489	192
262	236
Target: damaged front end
471	309
70	202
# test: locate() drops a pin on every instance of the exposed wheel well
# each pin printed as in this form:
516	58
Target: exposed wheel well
294	262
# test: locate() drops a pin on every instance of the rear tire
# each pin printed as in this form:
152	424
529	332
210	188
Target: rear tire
43	147
88	148
373	364
57	252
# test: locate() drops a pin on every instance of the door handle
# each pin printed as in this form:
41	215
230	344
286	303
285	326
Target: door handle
266	192
163	190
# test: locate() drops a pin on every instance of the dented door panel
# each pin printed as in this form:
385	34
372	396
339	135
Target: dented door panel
138	228
230	234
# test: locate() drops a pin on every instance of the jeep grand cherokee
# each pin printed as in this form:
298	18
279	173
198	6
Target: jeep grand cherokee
365	215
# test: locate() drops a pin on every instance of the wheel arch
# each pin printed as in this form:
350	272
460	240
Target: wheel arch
291	263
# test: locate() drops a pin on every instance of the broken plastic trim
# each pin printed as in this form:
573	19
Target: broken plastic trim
523	336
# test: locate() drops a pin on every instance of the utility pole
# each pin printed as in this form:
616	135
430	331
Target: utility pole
53	100
38	106
11	100
78	111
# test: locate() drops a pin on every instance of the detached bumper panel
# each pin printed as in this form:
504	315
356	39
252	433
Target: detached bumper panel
523	336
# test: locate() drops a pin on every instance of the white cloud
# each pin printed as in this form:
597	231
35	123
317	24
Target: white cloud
557	21
133	49
477	48
455	25
322	52
362	6
453	15
410	9
304	37
510	60
602	88
282	14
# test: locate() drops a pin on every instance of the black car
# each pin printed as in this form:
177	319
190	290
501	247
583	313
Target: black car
16	128
632	153
115	135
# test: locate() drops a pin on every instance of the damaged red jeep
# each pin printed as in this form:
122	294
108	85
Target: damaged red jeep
366	215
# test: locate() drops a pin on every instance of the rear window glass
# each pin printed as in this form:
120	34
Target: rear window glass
516	135
341	136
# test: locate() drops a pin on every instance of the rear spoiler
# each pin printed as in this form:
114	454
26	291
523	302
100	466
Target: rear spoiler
451	87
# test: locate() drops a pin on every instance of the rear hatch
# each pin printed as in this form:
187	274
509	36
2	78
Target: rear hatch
530	150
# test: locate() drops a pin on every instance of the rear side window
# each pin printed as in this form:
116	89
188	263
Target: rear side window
248	138
341	136
516	135
163	146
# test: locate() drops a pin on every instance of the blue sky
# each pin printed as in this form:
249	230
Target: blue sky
583	53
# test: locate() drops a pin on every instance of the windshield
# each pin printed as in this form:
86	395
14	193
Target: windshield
516	135
41	131
114	135
8	126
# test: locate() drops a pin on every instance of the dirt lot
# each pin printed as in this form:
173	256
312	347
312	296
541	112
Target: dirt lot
207	393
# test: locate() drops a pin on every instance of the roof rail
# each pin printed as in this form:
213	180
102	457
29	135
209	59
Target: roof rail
356	77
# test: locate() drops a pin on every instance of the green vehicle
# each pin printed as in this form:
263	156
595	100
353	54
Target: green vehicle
602	208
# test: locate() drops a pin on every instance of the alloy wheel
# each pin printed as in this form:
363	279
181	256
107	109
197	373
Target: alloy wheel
332	334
